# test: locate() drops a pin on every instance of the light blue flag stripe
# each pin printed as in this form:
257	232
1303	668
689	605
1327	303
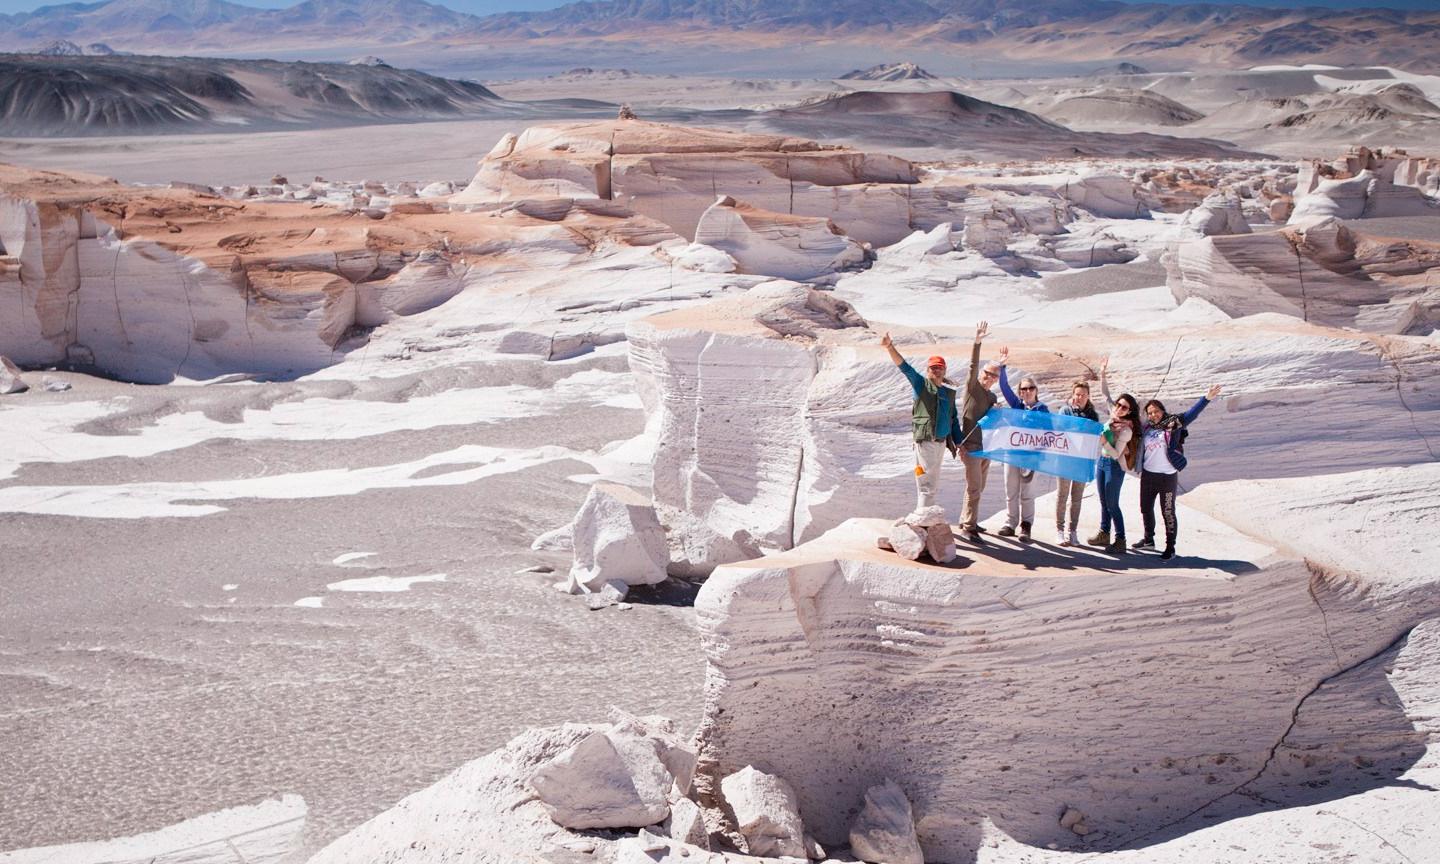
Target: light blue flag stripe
1057	444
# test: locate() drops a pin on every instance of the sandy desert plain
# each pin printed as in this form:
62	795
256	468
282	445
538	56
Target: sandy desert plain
303	462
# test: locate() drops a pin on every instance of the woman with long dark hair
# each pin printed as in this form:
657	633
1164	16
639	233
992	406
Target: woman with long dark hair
1162	458
1119	451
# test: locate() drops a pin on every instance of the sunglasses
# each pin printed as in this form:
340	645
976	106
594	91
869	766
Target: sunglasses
1023	388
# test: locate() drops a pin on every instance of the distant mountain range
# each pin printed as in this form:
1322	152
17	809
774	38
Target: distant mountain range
69	94
1058	30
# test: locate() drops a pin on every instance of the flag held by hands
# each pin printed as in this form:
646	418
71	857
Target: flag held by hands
1056	444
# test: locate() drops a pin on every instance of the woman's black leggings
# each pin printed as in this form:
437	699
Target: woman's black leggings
1153	483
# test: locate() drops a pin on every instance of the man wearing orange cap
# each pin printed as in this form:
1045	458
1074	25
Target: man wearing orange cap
933	419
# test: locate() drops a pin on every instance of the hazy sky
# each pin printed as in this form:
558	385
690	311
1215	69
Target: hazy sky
475	7
482	7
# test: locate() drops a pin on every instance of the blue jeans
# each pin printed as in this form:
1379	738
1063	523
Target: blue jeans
1108	477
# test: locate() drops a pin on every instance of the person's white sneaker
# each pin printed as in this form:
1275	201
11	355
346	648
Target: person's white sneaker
1073	539
1064	538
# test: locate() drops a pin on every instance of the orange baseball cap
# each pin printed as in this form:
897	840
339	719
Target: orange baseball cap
937	360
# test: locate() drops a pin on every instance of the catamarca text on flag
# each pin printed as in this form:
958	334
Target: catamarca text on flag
1057	444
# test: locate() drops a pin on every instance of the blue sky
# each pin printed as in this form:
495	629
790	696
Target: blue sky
483	7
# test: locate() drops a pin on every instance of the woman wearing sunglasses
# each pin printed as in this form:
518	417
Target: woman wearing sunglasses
1119	447
1019	483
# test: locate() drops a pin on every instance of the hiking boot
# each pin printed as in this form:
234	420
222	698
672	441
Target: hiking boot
1118	547
1168	553
1061	536
1007	531
1101	538
1025	531
1143	543
971	533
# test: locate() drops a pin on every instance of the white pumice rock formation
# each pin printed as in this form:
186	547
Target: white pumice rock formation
1098	192
617	538
776	244
1364	184
1325	271
150	284
773	430
1051	670
764	809
673	173
885	829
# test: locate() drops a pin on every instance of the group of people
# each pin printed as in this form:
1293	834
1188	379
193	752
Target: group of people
946	417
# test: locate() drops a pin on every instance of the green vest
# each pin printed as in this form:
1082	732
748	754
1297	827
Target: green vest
927	409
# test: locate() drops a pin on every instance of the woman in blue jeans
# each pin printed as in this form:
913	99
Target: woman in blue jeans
1119	446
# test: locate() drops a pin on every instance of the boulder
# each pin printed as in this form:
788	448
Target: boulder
1219	213
617	538
907	541
686	824
885	829
765	811
776	244
10	380
940	543
607	780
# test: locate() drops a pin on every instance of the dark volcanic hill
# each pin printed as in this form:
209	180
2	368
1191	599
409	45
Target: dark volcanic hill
955	122
68	95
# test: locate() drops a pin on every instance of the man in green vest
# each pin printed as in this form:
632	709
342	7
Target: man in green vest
933	420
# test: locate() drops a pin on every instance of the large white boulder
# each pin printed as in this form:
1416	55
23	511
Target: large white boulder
617	538
765	813
885	829
607	780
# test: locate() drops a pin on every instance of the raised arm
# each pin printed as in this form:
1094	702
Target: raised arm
1010	398
890	346
917	382
1189	416
1104	381
980	332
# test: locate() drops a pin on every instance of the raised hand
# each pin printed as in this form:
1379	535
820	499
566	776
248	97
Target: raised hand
1213	392
1004	355
981	330
1104	364
886	341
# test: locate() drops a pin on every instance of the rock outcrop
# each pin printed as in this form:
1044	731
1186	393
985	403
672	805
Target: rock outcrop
974	694
1364	184
153	284
1323	271
776	244
673	174
777	419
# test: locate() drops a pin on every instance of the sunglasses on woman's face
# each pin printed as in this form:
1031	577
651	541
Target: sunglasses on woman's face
1024	388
